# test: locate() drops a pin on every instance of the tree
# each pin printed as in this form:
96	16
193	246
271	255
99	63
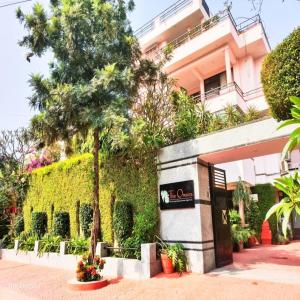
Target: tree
241	197
15	146
280	75
92	77
153	110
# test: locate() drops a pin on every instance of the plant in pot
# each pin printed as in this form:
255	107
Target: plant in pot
173	257
87	272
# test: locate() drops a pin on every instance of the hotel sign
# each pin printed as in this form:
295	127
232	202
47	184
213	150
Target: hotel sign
177	195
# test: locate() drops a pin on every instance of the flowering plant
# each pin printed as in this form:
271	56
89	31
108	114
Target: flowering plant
89	272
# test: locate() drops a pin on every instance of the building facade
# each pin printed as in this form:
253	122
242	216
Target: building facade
218	61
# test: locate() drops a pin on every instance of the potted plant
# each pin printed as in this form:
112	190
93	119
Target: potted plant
86	271
172	257
239	236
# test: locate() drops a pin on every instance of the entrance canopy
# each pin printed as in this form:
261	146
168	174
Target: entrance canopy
249	140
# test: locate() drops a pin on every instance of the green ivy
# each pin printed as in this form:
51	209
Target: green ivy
266	199
122	221
67	186
253	218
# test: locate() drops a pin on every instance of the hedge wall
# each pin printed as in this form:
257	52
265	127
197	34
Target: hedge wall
64	185
266	199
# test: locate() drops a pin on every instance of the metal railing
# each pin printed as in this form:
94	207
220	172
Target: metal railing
163	16
225	89
174	9
213	21
196	31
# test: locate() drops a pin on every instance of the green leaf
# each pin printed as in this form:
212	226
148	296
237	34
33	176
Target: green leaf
295	100
273	210
288	123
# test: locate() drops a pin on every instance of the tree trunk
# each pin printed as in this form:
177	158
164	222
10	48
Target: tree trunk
96	211
242	213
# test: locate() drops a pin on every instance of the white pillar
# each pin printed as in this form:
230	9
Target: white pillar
228	65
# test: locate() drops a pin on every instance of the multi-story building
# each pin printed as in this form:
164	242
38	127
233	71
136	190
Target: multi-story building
218	61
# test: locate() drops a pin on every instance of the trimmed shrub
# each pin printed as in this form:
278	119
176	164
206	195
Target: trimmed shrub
122	221
39	223
280	75
266	199
19	225
86	219
62	224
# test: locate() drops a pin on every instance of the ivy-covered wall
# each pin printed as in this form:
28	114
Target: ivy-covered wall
65	185
266	199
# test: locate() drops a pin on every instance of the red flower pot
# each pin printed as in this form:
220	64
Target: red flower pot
167	264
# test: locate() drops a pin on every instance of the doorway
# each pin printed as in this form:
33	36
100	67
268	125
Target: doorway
220	216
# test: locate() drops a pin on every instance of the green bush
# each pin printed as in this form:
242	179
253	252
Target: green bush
122	221
62	224
39	223
280	75
19	227
234	217
27	241
78	246
144	231
253	218
266	199
86	219
49	243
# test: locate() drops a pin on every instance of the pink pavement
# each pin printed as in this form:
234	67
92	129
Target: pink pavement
25	282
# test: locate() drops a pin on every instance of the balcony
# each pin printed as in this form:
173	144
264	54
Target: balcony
219	29
181	13
216	99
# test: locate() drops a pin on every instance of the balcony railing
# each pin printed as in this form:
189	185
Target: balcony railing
163	16
201	28
228	88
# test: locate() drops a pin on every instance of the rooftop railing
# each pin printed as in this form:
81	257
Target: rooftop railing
163	16
213	21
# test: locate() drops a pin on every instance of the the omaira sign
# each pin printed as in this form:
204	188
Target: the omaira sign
177	195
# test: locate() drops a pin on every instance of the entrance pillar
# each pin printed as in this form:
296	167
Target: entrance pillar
185	210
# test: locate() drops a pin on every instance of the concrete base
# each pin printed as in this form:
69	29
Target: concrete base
145	268
76	285
130	268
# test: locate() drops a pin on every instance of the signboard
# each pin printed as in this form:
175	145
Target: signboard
177	195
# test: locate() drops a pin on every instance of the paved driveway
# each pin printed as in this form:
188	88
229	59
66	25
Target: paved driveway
256	274
279	264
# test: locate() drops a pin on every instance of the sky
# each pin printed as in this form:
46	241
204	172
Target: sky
279	19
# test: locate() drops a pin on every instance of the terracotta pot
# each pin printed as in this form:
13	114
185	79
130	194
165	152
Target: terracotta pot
252	241
167	264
